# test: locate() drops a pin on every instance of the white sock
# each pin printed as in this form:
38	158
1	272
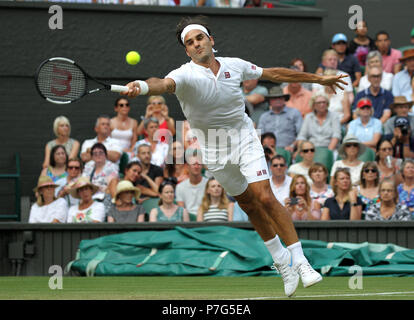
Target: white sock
297	253
279	253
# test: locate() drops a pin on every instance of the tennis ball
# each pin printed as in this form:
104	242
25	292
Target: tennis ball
133	57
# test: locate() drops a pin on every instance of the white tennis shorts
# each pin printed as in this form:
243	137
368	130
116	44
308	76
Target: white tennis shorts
246	163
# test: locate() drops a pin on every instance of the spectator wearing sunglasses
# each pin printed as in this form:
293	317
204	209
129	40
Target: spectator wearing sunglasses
123	127
158	109
368	189
74	170
307	152
279	182
367	128
388	208
349	152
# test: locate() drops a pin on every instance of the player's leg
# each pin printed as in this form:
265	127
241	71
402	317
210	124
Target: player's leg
265	203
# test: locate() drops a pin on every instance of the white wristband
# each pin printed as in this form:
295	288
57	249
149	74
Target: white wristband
144	87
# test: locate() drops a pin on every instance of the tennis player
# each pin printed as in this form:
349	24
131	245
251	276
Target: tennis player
208	89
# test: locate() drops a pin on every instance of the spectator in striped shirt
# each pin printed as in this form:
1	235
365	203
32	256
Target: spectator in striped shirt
215	206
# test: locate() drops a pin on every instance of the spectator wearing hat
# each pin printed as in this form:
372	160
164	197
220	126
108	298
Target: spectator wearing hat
367	128
390	56
321	127
347	62
362	44
349	151
285	122
374	59
402	84
255	94
299	97
124	210
47	209
87	210
401	108
381	99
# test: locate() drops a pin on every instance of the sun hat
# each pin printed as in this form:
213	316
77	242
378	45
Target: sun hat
409	53
80	183
277	92
124	186
44	181
351	139
400	101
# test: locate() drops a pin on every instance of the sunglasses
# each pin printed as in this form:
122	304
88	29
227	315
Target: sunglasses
123	105
365	107
370	170
355	145
308	150
276	165
73	167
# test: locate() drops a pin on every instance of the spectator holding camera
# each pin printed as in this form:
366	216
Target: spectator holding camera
268	140
345	205
300	204
401	140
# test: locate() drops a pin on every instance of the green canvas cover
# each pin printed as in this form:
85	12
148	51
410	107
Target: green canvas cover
225	251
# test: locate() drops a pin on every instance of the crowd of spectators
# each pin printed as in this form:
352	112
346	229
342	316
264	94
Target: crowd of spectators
344	155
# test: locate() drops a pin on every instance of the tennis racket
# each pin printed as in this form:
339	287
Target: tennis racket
61	81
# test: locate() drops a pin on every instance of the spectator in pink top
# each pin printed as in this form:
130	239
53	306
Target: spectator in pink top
390	56
299	96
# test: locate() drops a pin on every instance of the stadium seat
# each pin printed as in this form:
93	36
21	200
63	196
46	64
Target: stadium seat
123	161
322	155
285	154
149	204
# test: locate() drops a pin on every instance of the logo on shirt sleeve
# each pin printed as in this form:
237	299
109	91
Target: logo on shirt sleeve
253	67
227	75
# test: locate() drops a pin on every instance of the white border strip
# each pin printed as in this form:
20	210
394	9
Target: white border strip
334	295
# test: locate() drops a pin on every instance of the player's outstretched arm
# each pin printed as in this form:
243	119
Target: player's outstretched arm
289	75
151	86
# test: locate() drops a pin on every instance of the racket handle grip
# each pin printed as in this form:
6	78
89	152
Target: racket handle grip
116	88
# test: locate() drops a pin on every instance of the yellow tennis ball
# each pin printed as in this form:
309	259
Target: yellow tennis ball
133	57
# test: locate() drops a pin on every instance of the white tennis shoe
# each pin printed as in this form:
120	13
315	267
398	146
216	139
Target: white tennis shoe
307	274
289	275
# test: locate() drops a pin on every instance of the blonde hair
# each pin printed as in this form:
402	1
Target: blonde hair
303	142
206	202
329	52
292	192
335	177
58	121
316	95
151	98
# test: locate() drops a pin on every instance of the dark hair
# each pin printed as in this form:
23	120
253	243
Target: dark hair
267	135
131	164
380	142
279	157
77	159
292	62
101	146
380	33
369	165
163	185
52	161
119	99
315	167
200	19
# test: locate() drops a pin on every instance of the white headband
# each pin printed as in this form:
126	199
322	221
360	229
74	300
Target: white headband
190	27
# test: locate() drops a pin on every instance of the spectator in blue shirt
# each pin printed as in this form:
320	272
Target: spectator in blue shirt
381	99
283	121
367	128
401	84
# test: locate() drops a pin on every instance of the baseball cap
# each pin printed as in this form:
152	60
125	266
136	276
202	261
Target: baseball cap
364	102
339	37
401	122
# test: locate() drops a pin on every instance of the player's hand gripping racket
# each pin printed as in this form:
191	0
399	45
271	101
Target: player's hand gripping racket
60	80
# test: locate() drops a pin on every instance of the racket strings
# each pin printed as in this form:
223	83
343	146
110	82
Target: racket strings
61	81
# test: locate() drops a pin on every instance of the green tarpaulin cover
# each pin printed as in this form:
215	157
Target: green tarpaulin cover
225	251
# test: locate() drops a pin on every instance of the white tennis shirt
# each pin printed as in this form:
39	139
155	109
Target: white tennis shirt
214	102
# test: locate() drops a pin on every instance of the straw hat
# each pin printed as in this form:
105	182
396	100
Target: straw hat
124	186
351	139
44	181
82	182
401	101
